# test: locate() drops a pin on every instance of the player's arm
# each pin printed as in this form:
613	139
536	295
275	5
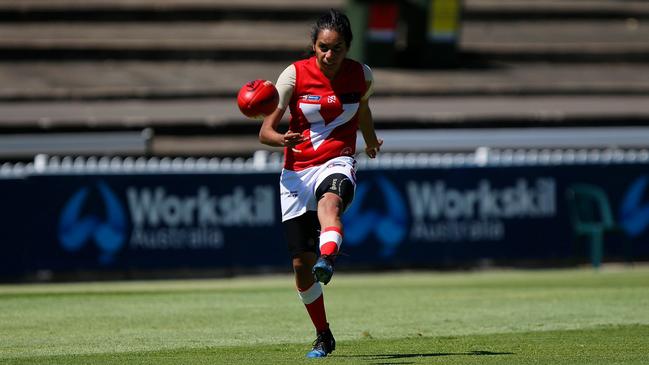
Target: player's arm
372	142
268	133
366	123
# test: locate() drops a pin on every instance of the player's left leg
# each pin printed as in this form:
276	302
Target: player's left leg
334	194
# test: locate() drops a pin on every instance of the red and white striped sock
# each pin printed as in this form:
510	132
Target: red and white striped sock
330	240
313	300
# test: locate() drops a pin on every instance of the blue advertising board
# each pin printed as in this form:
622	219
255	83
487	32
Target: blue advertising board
109	222
399	218
459	215
12	220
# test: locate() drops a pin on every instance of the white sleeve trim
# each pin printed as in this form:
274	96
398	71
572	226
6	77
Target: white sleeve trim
369	78
285	85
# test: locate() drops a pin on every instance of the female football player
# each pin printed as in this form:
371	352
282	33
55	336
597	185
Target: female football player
327	95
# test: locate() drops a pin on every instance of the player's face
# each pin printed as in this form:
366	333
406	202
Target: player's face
330	51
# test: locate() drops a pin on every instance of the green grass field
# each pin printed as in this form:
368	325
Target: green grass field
490	317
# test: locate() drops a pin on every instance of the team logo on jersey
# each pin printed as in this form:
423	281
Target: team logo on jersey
311	97
331	99
320	130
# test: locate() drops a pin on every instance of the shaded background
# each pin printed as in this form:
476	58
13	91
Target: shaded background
104	81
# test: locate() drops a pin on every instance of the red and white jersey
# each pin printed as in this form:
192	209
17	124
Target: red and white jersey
325	112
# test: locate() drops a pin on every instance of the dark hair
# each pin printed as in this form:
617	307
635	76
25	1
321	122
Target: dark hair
333	20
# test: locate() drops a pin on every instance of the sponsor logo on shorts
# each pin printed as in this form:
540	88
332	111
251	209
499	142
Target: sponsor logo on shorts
291	194
334	185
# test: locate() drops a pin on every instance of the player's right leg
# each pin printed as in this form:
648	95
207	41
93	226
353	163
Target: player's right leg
302	236
310	292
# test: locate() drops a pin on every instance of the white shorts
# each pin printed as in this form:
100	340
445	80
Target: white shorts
297	188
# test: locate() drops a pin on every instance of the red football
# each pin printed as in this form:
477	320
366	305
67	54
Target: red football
258	98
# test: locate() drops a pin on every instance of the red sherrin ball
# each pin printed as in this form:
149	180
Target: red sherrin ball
258	98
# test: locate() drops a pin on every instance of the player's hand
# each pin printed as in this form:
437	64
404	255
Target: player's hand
292	139
373	150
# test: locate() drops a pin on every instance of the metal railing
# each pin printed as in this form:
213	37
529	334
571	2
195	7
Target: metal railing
265	161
